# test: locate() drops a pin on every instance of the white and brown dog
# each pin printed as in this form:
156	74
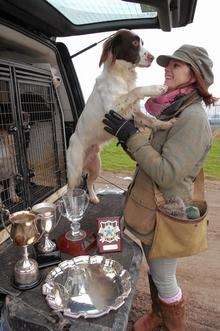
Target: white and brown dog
114	89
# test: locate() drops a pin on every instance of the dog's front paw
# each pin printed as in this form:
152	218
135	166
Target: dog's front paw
157	90
15	199
167	125
2	206
150	91
161	89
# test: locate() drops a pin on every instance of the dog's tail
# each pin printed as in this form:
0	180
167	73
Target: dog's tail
75	156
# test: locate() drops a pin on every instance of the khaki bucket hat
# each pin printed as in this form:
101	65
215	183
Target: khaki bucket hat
196	56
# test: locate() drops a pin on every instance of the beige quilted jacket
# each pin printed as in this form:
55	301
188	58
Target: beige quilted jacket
174	157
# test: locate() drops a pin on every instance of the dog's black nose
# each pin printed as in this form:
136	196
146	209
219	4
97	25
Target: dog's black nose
150	57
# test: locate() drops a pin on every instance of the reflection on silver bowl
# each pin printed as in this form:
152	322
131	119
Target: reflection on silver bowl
88	286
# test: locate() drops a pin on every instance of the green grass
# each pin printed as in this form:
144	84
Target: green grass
115	159
212	163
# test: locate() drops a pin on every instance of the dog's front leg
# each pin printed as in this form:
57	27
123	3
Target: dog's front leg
149	91
129	99
143	121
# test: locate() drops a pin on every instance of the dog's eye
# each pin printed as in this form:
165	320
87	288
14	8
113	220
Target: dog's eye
135	43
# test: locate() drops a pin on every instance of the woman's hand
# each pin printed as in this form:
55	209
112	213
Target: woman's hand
119	127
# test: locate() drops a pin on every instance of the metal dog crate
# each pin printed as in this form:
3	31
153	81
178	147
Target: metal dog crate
32	148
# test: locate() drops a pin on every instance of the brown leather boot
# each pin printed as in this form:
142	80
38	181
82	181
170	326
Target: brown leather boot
174	316
151	321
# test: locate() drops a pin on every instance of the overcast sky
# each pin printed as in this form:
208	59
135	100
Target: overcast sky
204	31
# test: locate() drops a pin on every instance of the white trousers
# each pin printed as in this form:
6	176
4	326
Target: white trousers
163	273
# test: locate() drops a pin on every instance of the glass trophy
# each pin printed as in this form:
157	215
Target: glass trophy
72	206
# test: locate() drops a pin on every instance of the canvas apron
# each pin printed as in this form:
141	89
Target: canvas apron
140	207
170	237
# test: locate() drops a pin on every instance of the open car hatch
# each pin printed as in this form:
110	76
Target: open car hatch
61	18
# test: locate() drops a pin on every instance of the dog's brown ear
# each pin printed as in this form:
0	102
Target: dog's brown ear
105	52
109	47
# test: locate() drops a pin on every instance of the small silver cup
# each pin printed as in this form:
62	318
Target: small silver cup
49	220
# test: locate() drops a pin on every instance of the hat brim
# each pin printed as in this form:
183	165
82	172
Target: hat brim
163	60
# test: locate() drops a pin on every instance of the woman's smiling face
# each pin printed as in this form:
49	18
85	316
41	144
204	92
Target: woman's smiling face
177	74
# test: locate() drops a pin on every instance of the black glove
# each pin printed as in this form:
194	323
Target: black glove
119	126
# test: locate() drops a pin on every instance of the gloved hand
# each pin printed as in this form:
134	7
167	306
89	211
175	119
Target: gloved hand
119	126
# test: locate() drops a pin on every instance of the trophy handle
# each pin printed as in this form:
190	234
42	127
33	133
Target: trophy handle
42	232
59	214
61	208
6	213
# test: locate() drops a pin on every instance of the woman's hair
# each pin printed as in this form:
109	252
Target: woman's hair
202	88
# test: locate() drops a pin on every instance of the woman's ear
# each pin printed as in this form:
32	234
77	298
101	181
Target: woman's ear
193	78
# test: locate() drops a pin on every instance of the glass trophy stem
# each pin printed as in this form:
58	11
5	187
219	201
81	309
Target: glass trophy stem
75	227
75	233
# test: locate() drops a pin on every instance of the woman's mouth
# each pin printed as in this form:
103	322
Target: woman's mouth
167	77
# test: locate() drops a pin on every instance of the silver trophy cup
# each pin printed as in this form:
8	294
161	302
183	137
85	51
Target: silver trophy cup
48	213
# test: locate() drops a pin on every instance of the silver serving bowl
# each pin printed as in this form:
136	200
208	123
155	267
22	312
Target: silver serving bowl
88	286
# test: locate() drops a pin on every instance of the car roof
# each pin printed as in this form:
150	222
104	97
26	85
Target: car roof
61	18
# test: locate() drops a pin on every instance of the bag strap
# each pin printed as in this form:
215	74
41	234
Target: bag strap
159	199
199	187
198	190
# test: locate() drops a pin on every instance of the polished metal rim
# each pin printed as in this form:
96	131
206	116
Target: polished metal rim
87	286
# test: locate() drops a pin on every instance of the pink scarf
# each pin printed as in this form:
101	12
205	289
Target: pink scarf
155	106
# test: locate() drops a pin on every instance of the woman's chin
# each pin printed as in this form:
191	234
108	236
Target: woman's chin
169	86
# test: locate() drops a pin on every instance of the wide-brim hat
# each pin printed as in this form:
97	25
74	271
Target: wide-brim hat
196	56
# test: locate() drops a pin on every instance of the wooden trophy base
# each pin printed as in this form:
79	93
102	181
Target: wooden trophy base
77	247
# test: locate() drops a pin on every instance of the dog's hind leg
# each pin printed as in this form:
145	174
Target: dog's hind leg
1	202
12	193
75	159
92	176
92	167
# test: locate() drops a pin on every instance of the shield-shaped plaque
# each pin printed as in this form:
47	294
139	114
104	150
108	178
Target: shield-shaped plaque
109	234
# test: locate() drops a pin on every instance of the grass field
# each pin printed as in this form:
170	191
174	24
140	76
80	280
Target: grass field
212	163
116	160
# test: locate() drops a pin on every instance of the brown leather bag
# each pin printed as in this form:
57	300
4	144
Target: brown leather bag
175	237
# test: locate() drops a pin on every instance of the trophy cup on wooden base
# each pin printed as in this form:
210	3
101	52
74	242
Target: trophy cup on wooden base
76	241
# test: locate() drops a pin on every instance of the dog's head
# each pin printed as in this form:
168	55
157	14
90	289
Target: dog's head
126	45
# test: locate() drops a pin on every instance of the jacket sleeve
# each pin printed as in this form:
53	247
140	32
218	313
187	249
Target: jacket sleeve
187	144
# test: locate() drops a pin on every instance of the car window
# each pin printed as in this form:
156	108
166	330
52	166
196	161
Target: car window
93	11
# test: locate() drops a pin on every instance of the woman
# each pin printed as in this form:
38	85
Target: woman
171	159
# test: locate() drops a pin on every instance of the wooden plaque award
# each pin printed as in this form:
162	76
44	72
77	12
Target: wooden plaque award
109	234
